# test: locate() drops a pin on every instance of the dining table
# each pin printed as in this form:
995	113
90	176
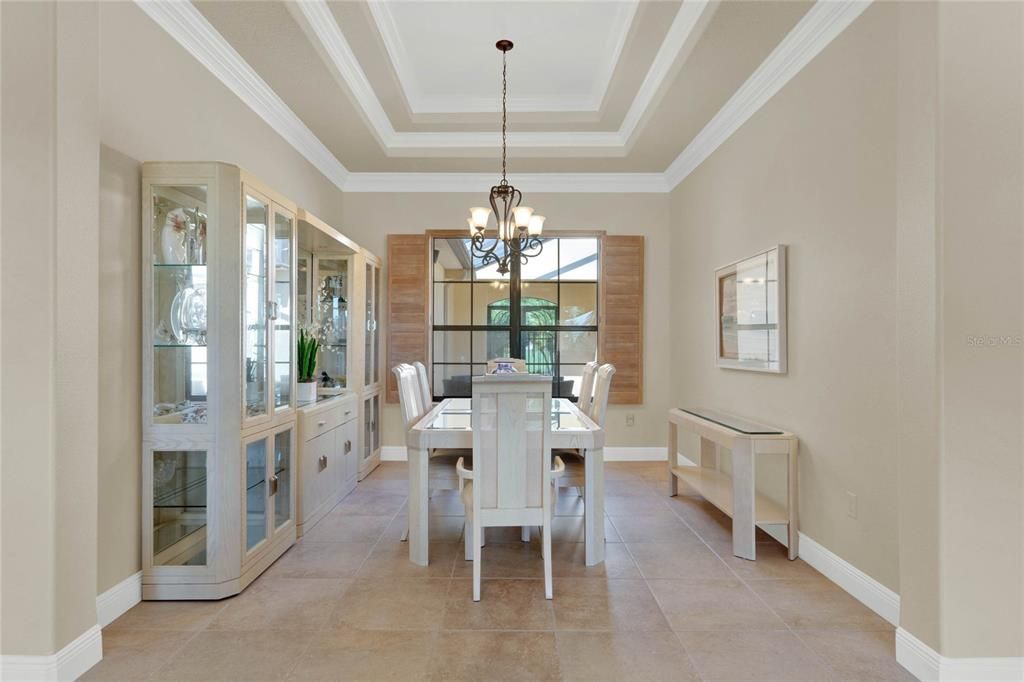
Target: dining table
449	425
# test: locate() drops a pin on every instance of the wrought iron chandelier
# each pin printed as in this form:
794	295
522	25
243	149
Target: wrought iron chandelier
518	228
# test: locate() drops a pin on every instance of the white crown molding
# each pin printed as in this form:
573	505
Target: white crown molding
682	35
927	664
69	663
534	183
113	603
189	27
421	103
812	34
324	26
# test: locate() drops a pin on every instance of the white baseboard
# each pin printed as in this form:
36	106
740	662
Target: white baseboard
69	663
114	602
396	453
859	584
927	664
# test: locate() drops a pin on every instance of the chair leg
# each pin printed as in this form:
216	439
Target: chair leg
554	497
546	545
476	562
524	534
468	532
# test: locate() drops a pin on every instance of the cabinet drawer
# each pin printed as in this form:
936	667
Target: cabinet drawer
349	407
315	423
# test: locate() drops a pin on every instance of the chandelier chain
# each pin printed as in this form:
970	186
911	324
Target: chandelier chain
504	113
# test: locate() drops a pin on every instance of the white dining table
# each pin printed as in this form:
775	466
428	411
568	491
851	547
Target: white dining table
449	425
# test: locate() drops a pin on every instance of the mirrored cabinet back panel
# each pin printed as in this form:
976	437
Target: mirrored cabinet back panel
232	271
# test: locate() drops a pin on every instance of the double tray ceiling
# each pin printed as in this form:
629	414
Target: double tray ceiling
601	86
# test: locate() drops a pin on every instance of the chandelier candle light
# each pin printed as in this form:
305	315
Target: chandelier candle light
518	227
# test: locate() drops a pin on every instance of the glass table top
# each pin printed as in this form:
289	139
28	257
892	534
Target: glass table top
457	414
738	424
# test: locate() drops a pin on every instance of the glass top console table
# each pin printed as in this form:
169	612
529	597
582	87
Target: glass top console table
734	491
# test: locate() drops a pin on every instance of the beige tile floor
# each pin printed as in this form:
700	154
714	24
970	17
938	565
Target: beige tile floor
669	603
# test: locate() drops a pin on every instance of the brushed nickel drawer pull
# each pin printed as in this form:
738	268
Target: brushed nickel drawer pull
321	423
348	446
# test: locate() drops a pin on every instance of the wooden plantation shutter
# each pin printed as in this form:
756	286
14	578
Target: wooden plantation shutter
622	316
408	303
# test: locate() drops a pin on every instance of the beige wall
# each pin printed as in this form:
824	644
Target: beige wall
814	169
49	246
159	104
980	178
370	217
892	165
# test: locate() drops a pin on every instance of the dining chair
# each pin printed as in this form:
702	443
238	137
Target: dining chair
440	472
426	395
509	483
517	364
574	473
586	398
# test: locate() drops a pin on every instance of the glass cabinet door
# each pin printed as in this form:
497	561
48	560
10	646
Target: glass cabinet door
281	307
255	513
371	426
179	290
332	315
281	478
372	372
179	507
255	370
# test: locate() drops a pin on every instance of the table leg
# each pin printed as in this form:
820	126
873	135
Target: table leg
593	503
673	458
743	529
419	538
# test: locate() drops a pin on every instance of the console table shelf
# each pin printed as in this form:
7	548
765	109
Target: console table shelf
716	487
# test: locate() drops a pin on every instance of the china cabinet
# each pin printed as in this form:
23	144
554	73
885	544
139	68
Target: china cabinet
219	416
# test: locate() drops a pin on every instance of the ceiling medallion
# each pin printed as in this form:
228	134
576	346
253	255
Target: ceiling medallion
518	229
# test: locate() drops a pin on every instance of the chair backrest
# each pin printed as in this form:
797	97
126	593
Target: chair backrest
586	400
511	443
408	394
426	396
602	385
517	364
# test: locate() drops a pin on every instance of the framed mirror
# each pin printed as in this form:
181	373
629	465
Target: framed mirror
750	302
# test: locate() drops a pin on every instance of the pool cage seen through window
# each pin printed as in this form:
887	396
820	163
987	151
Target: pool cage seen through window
543	311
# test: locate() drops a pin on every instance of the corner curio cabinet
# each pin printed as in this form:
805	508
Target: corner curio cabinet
219	414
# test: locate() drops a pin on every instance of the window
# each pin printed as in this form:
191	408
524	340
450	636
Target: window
543	311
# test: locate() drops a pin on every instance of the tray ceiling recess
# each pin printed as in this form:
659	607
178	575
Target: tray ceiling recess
440	57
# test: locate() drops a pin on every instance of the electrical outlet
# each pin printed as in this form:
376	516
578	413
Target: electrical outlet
630	420
851	505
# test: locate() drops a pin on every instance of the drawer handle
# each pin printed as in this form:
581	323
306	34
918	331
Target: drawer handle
321	423
348	446
348	412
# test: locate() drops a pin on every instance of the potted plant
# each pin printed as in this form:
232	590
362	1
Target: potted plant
308	347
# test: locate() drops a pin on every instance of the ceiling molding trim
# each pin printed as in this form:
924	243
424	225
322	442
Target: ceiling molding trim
186	24
534	183
323	24
812	34
420	103
682	35
606	144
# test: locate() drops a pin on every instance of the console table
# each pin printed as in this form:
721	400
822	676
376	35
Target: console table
736	494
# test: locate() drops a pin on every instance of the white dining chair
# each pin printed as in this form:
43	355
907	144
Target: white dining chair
574	473
440	467
509	483
586	398
426	395
517	364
